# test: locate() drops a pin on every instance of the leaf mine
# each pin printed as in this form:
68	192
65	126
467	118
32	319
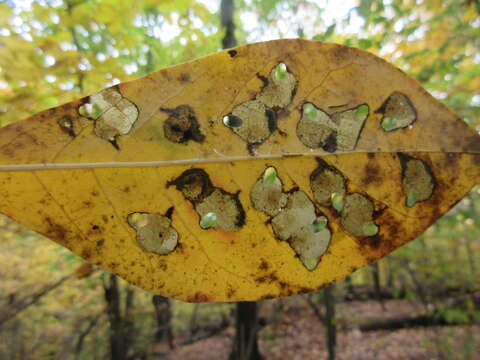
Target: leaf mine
226	207
293	220
339	131
256	125
398	112
310	246
327	183
268	196
315	127
113	114
357	215
182	125
216	208
280	88
255	120
417	180
154	232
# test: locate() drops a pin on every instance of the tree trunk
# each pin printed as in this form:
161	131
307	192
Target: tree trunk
329	301
375	267
226	14
163	315
120	324
245	344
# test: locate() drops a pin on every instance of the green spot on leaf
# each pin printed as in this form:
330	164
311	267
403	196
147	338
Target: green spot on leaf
337	201
370	229
280	71
269	175
362	112
208	220
310	111
318	224
389	123
91	111
310	263
411	197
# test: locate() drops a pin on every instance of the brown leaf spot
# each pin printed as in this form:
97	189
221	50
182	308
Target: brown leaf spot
263	265
198	297
182	125
184	77
54	230
371	175
67	125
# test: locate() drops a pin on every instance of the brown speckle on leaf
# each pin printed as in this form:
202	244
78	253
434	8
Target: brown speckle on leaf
198	297
184	77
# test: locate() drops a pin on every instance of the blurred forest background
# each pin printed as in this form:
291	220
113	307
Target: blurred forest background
421	302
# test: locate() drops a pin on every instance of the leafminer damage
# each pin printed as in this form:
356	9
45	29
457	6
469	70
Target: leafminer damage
293	218
154	231
113	114
398	112
356	210
182	125
215	207
338	131
417	180
255	120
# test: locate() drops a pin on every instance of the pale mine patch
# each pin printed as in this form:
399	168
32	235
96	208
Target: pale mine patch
339	131
399	111
268	198
293	215
254	127
154	232
278	92
324	182
357	214
256	119
225	207
313	133
116	114
417	181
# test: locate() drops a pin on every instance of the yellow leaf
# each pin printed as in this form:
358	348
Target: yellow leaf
257	172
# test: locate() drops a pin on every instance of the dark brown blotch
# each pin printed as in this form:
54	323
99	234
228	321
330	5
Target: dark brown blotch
194	184
198	297
184	77
67	125
182	125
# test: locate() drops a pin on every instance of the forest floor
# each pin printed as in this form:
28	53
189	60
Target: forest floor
294	332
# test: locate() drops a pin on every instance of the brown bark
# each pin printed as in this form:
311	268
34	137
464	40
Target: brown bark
226	14
121	325
245	344
163	316
330	324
